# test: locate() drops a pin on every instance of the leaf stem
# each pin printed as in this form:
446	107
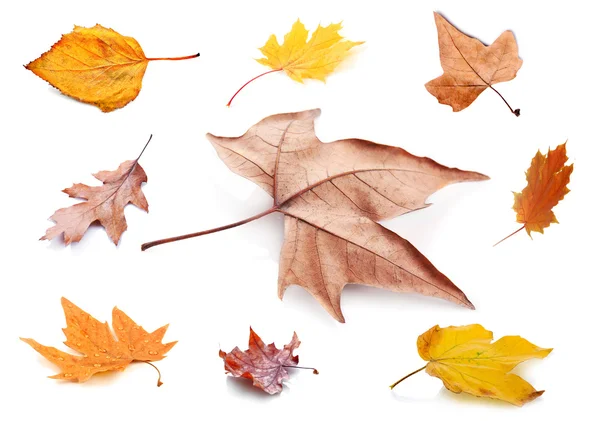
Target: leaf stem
174	58
406	377
144	149
146	246
135	163
315	371
251	80
158	383
508	236
516	112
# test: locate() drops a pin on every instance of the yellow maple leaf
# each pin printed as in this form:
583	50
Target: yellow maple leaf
464	358
96	65
547	180
302	58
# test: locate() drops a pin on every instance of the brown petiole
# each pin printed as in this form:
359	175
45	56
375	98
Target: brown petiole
516	111
406	377
314	370
508	236
158	383
174	58
146	246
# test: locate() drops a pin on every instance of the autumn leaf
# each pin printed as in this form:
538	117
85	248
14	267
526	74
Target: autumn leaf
547	180
302	58
264	364
96	65
332	194
464	358
105	203
470	67
99	350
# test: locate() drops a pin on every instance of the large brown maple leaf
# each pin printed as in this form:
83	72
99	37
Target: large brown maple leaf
331	195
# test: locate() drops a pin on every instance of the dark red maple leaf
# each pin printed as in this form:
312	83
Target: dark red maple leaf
264	364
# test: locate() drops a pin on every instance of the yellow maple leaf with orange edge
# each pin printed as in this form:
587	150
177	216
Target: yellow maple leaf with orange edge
547	180
100	351
96	65
464	358
302	58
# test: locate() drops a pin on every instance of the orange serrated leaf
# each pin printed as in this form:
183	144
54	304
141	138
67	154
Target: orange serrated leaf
100	351
96	65
547	180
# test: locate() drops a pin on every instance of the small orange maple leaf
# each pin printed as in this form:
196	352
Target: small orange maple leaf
547	180
100	351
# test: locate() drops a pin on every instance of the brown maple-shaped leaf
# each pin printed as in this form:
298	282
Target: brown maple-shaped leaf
332	194
99	350
547	180
470	67
105	204
264	364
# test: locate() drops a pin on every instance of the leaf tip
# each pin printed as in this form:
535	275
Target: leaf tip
533	395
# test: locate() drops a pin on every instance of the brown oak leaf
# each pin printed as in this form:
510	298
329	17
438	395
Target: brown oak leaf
98	348
264	364
105	204
332	194
470	67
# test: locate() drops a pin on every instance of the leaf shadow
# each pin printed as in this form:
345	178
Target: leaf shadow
411	399
470	400
297	299
243	388
362	296
58	93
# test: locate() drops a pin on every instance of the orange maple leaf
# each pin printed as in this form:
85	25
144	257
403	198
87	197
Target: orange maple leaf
547	180
100	351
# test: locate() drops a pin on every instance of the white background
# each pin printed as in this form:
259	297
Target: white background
213	288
